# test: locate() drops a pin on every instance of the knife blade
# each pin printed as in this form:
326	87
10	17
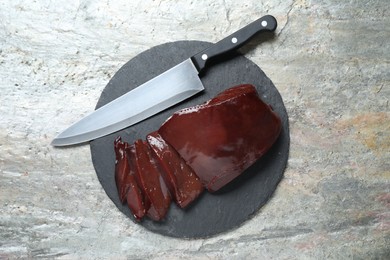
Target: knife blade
167	89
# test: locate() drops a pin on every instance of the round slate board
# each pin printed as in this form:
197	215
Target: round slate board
239	200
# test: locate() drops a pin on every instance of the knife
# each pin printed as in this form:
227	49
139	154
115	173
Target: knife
173	86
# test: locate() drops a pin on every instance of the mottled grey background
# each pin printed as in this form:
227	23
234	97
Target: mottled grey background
330	61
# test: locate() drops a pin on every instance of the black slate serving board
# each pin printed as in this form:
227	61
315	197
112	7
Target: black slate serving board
237	202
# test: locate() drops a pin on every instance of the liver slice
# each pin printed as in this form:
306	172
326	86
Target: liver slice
224	136
182	181
122	168
151	181
125	177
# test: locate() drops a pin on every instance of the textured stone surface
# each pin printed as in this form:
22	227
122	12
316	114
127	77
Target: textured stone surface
329	60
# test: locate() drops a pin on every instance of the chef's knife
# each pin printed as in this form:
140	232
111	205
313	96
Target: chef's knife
159	93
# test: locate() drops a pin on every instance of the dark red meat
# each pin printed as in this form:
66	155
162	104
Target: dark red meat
223	137
122	168
151	181
136	199
183	183
202	146
125	176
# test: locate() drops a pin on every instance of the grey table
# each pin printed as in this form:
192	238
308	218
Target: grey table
329	60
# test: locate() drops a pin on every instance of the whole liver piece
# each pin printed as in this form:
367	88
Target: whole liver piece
224	136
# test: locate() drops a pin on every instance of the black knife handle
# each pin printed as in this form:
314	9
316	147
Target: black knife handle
234	41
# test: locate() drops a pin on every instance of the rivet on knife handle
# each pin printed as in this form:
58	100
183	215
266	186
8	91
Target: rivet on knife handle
234	41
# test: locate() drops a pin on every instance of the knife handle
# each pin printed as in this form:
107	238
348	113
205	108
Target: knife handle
266	23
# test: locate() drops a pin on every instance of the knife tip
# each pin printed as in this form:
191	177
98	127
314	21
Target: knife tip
55	142
67	141
60	141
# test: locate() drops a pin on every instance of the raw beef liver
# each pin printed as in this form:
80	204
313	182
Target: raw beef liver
224	136
151	181
183	183
122	168
202	146
125	177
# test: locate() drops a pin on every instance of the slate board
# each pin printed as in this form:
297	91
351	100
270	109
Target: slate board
237	202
